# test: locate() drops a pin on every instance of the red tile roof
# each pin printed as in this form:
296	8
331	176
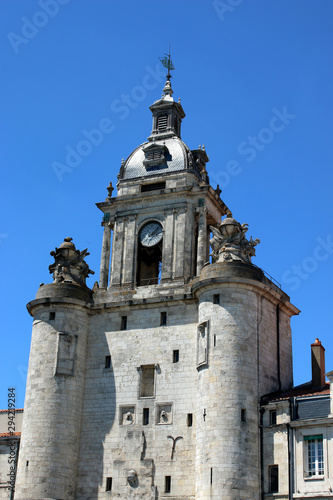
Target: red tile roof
11	409
300	391
9	434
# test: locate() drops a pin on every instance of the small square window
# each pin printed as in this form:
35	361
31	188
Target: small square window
273	471
272	417
108	484
175	356
145	416
216	298
163	318
52	316
243	415
189	419
167	484
123	325
107	361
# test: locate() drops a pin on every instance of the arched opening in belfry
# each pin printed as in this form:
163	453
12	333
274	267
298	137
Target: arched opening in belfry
149	258
149	265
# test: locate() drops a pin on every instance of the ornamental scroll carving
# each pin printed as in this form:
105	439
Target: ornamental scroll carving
229	242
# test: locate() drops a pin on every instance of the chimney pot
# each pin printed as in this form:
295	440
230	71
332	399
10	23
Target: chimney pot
318	364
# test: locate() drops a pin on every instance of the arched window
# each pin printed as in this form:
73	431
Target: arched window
149	254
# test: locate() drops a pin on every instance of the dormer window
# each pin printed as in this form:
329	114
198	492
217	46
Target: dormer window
155	155
162	122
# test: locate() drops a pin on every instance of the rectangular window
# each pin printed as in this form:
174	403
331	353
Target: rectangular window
243	415
315	455
147	381
273	478
175	357
163	318
108	484
107	361
152	187
52	316
272	417
216	298
189	419
123	325
145	416
167	484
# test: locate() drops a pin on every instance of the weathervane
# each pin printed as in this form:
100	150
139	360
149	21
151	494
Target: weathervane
167	63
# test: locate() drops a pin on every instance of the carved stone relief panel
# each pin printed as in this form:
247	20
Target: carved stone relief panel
66	354
164	413
126	415
202	343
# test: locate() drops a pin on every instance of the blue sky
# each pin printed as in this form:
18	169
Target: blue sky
254	79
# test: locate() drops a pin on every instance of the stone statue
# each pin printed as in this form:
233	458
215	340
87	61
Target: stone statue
229	242
69	265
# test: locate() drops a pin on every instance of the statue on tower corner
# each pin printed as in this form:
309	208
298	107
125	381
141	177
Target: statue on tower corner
229	242
69	265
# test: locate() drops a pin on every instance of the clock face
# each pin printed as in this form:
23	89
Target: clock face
151	234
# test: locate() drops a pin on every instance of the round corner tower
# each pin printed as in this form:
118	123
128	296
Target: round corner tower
50	433
243	352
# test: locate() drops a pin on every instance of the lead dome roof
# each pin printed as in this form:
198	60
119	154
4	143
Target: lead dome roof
177	157
164	152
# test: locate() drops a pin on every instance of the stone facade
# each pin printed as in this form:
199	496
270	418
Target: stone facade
148	386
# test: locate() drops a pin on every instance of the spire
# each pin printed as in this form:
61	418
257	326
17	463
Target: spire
167	114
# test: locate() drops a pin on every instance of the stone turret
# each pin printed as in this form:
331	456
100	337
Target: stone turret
52	413
243	351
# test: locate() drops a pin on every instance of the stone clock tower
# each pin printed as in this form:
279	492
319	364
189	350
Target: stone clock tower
148	385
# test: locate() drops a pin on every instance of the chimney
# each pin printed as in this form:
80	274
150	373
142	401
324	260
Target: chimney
318	364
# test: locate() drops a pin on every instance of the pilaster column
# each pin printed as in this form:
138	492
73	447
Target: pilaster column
202	239
105	258
168	244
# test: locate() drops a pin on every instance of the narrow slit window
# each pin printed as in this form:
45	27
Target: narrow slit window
211	475
273	478
272	417
52	316
214	340
163	318
107	361
175	356
108	484
145	416
123	325
167	484
189	419
216	298
243	415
